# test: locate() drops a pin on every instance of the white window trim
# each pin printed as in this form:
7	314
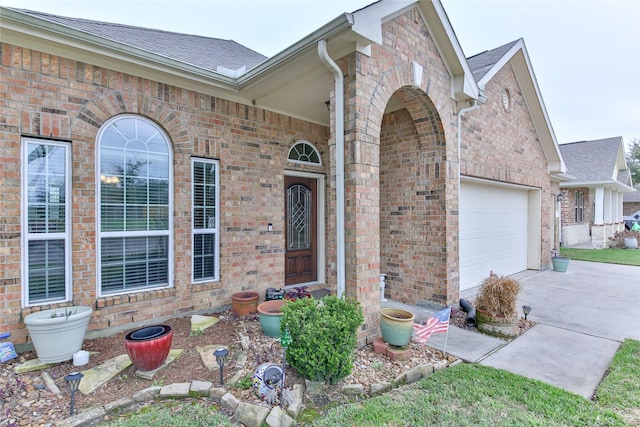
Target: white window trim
26	237
100	234
215	231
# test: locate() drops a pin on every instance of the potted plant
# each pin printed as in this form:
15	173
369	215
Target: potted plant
58	333
496	310
269	313
396	326
244	303
149	347
560	263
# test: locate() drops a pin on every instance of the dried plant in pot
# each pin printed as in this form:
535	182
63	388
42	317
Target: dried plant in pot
496	309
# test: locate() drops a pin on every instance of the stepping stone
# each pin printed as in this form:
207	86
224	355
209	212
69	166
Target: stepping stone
97	376
208	359
200	323
173	355
30	365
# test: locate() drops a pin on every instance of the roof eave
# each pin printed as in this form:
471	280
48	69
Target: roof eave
612	184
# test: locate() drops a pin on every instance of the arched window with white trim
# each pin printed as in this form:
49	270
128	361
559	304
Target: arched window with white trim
134	206
304	152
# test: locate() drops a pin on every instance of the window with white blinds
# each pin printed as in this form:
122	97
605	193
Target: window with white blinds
46	221
205	219
134	188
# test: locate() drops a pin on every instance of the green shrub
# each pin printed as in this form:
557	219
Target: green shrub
323	336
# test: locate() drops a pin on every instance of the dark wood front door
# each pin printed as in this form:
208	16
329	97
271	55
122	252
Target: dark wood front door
301	265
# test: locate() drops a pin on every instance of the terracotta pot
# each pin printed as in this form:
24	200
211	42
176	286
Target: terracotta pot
269	313
244	303
149	347
396	326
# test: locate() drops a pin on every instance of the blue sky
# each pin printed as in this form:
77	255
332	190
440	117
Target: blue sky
585	54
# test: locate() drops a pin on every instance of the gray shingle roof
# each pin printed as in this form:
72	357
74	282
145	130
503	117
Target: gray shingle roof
593	161
203	52
481	63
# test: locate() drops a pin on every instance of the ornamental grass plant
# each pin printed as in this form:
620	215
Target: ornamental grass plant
498	296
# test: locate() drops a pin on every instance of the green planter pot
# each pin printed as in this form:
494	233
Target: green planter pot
57	336
270	314
396	326
560	263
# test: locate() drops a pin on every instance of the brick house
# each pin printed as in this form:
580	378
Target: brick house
152	174
592	205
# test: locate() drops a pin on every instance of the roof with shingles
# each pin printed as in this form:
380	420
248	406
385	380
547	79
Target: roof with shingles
481	63
594	161
203	52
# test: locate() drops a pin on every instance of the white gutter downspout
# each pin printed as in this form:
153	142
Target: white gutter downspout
339	135
461	113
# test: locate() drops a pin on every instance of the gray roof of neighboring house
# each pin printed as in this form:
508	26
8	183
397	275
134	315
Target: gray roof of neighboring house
203	52
594	161
631	197
481	63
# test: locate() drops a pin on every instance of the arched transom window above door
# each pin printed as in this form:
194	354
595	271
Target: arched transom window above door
304	152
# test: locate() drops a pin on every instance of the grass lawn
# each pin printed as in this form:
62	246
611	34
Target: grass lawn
610	255
475	395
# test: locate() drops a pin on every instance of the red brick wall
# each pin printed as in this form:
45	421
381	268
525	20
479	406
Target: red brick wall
52	97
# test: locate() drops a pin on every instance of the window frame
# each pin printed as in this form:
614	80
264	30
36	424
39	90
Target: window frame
306	145
27	237
200	231
100	235
579	207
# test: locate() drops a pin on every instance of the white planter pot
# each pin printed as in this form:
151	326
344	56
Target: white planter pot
630	243
57	338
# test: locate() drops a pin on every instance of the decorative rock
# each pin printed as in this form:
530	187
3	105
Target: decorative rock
241	359
278	418
379	388
147	394
175	390
98	375
427	369
86	417
236	377
400	379
245	342
314	388
229	401
208	359
250	415
216	393
440	365
30	365
51	385
118	404
413	375
295	408
298	390
200	388
200	323
353	389
148	375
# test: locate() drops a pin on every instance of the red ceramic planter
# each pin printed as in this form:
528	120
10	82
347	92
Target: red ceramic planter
149	347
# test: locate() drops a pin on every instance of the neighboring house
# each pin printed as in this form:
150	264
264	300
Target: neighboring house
151	174
631	202
592	203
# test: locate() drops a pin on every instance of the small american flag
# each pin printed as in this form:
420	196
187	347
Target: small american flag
439	322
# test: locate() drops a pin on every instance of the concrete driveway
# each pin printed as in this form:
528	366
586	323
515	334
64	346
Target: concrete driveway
583	315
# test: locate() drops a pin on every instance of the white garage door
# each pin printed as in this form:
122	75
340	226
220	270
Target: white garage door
493	232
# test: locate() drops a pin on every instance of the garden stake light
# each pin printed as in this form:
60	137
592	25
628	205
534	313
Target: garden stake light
73	382
526	309
221	357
